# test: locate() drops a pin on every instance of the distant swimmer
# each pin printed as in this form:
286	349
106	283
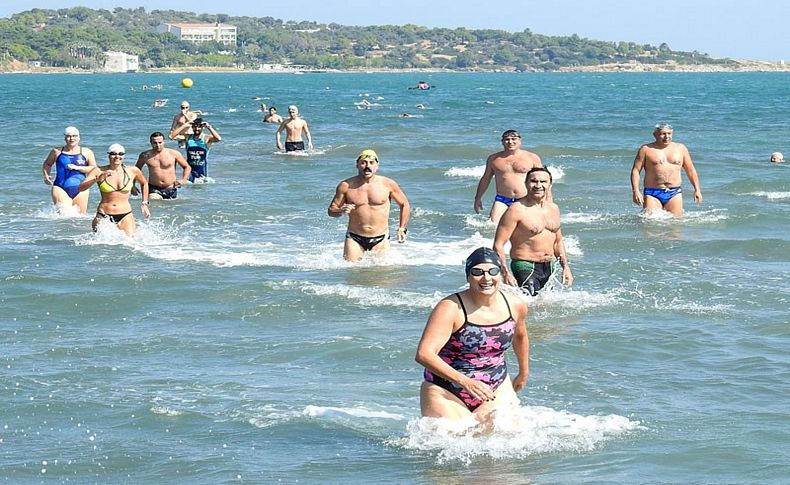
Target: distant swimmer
508	167
777	157
272	116
65	188
294	126
464	343
161	161
662	161
115	181
159	103
419	106
422	85
198	145
184	115
365	198
532	227
405	115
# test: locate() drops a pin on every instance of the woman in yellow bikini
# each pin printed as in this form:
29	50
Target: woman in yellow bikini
115	182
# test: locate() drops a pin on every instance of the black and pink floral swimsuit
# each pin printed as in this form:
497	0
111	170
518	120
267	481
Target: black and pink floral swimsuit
478	352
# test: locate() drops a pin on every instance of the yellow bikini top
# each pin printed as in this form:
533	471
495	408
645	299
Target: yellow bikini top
128	183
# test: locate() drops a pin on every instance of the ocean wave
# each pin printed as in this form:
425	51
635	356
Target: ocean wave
557	172
366	295
771	195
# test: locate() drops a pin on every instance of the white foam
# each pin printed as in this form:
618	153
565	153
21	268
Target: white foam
581	217
480	221
352	412
66	212
203	180
517	433
466	172
572	245
557	172
689	217
164	410
367	296
771	195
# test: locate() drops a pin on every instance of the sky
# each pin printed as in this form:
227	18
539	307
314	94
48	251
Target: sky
740	29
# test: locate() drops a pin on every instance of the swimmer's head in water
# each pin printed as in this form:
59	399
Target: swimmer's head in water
71	130
777	157
480	256
368	155
511	134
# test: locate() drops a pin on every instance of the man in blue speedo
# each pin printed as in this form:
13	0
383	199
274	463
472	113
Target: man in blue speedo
65	187
197	145
508	169
662	161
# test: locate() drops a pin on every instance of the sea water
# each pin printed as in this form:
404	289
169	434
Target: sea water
229	341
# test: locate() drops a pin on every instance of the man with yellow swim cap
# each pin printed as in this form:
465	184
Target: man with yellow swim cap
365	198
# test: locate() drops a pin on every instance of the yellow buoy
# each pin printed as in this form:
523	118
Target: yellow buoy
186	82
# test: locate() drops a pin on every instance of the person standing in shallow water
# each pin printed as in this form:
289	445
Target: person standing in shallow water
532	226
65	188
662	161
294	126
365	198
508	168
115	181
464	342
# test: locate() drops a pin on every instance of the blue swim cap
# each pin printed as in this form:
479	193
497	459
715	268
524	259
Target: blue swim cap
482	255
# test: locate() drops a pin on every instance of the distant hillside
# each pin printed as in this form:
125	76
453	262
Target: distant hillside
76	38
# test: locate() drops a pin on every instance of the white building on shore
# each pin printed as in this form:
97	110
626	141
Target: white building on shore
121	62
199	33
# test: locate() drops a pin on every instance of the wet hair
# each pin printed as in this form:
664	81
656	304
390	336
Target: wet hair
510	133
197	121
482	255
156	134
539	169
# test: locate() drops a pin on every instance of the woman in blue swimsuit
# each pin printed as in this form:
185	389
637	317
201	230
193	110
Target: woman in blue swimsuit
464	343
65	187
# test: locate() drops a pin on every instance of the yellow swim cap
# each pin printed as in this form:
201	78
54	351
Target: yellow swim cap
368	154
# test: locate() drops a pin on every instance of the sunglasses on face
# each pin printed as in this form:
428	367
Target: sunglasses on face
185	107
116	154
480	272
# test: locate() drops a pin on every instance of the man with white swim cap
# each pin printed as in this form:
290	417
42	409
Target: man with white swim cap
365	198
777	157
508	168
294	126
184	116
662	161
65	188
532	226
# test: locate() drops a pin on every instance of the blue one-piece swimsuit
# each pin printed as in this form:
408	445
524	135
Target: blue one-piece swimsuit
67	179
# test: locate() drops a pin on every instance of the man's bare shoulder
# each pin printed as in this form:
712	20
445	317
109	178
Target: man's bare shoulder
530	157
496	156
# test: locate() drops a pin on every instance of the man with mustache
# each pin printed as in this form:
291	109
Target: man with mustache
365	198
